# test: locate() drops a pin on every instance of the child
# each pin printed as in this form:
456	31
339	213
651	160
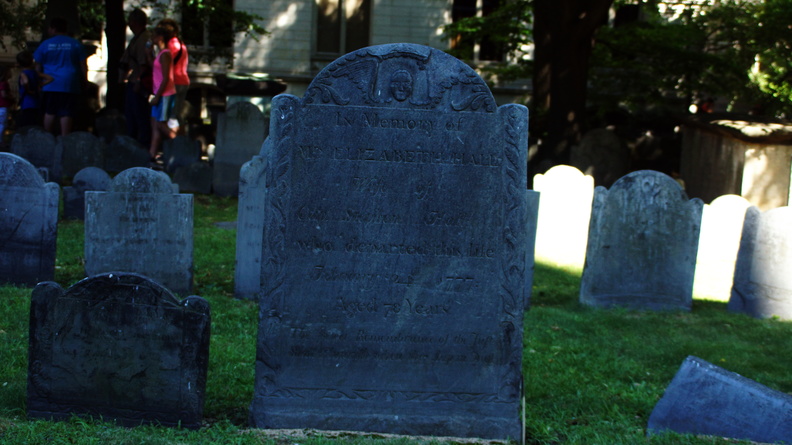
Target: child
6	99
30	83
164	90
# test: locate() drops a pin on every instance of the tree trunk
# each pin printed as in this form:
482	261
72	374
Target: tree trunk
115	30
564	36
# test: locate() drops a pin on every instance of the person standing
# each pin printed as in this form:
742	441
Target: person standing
181	79
63	58
164	90
136	72
29	84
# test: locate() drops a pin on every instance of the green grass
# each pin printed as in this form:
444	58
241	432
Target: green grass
591	376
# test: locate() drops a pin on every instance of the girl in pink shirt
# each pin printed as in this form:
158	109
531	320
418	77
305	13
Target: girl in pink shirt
164	91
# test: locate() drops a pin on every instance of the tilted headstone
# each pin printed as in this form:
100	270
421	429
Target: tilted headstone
80	149
706	399
763	274
642	244
141	225
394	257
40	149
721	227
564	214
194	178
240	133
180	151
88	179
119	346
28	223
124	153
250	227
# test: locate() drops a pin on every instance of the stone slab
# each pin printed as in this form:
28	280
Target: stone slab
124	153
119	346
88	179
240	132
80	150
250	229
40	149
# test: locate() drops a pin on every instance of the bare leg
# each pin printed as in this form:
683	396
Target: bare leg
49	122
66	125
156	138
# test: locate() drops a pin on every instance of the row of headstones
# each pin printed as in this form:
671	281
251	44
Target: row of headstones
645	228
241	131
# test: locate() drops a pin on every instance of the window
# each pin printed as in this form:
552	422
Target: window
342	26
470	49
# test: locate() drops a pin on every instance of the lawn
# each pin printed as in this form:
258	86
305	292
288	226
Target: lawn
591	376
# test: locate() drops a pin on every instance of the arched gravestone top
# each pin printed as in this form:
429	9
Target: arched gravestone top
18	172
404	76
141	180
642	245
120	346
394	257
91	178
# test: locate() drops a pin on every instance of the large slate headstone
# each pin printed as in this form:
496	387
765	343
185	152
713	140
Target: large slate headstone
240	133
40	149
180	151
763	274
28	223
394	257
88	179
564	215
141	225
119	346
706	399
642	244
124	153
250	227
721	227
80	149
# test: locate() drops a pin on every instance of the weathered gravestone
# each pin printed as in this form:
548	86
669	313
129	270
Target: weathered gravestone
250	227
194	178
706	399
642	243
602	155
39	148
240	133
124	153
564	214
80	149
141	225
763	274
28	223
119	346
88	179
180	151
721	226
394	262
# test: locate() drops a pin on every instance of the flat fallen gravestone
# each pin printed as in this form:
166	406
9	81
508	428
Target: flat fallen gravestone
395	257
706	399
141	225
119	346
763	273
28	223
88	179
642	244
240	133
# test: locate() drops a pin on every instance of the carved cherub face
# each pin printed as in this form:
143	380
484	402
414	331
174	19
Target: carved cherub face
401	85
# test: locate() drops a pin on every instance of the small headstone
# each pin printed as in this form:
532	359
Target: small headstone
602	155
141	225
39	148
88	179
80	149
763	274
180	151
240	133
642	244
28	223
119	346
721	227
250	228
194	178
705	399
395	258
124	153
564	214
110	123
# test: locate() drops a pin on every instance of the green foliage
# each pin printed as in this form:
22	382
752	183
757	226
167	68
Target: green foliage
591	376
17	17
